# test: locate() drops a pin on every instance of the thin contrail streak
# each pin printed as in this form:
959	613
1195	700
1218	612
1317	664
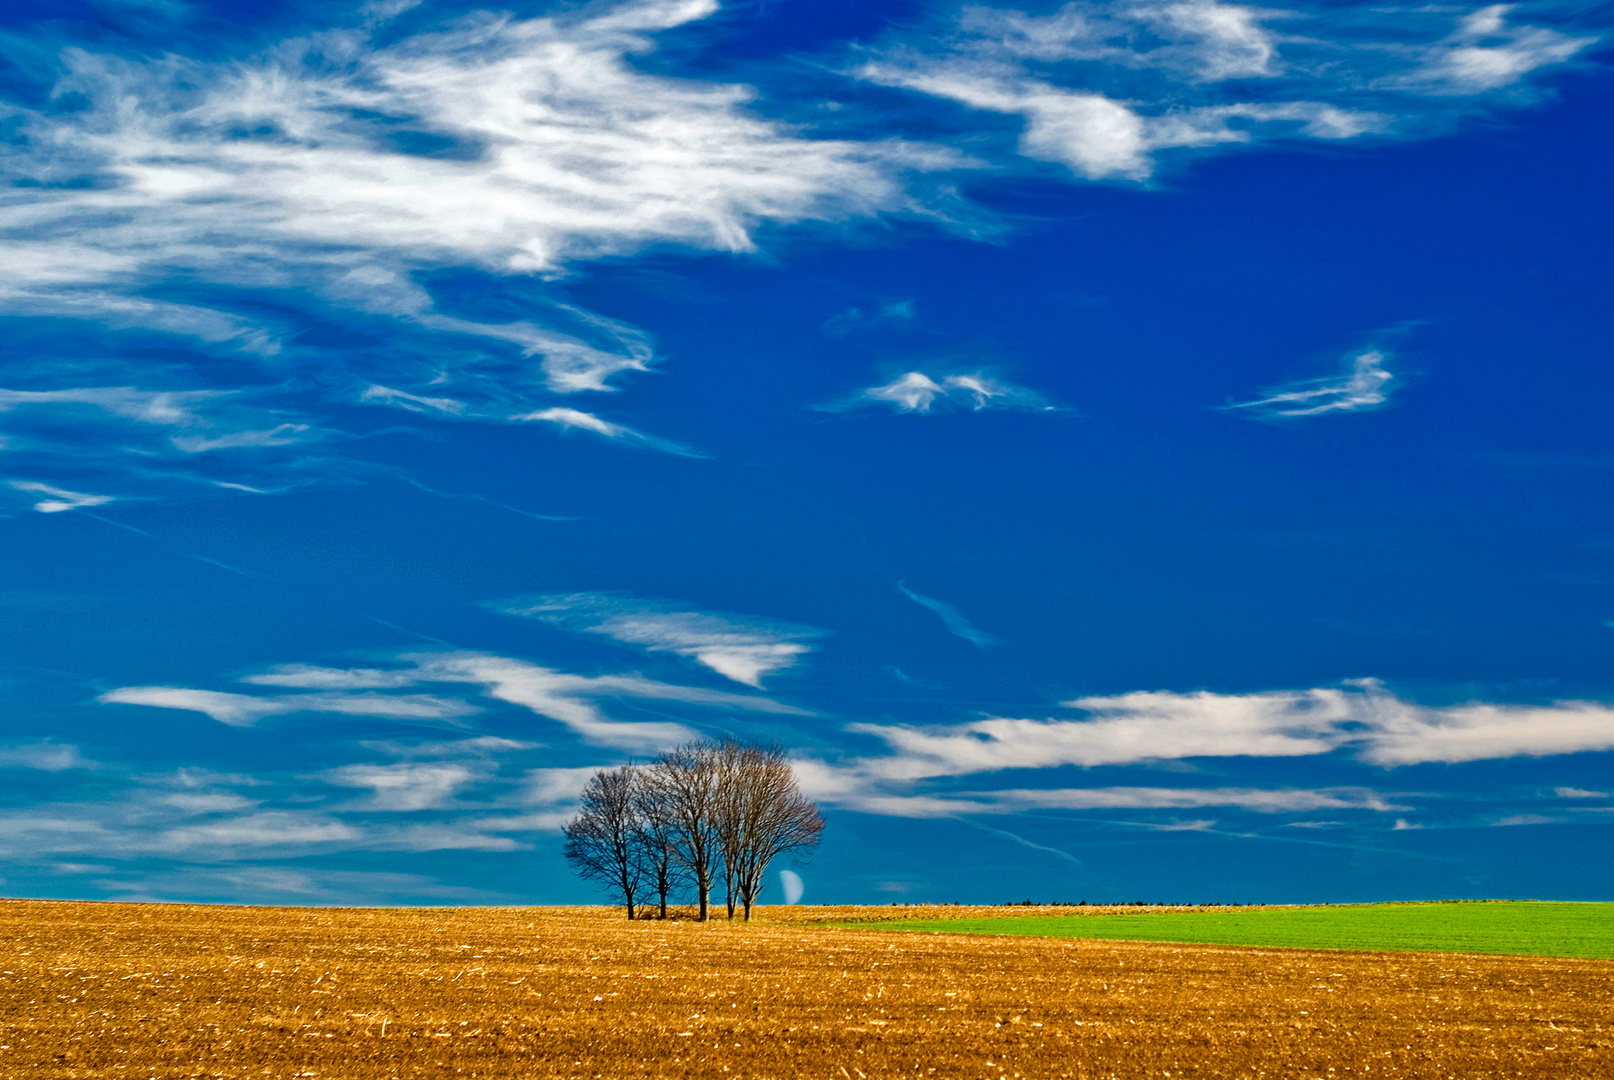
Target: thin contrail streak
1067	856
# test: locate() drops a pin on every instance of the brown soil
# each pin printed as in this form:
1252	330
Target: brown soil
128	990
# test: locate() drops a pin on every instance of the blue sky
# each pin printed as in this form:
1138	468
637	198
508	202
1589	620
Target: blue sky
1125	450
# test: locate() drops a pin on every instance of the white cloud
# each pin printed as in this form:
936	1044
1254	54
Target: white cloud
1223	41
408	786
581	421
68	833
540	821
577	420
286	884
199	816
568	699
1145	726
147	406
738	647
56	499
1402	733
1525	819
402	399
864	786
856	319
917	392
43	755
244	710
545	787
459	836
1124	729
1359	718
481	746
342	169
310	677
146	441
268	829
1097	137
281	435
294	166
1200	40
130	829
1364	385
913	392
237	710
195	815
1105	87
339	170
1486	53
1260	800
217	802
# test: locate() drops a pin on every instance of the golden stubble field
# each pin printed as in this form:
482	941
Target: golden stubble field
126	990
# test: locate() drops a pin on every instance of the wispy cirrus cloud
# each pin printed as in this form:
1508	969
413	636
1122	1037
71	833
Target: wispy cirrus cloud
1360	719
337	172
917	392
1487	51
1257	800
314	677
244	710
144	443
436	794
41	754
1105	89
854	320
420	795
55	500
738	647
570	700
855	789
1122	730
405	786
514	145
577	420
170	818
288	885
551	786
1364	385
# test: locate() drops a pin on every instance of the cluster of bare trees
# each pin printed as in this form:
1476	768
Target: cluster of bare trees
702	813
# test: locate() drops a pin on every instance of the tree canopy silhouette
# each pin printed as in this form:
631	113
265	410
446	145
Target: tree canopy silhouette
697	812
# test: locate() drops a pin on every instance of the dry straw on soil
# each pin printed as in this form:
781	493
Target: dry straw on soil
120	990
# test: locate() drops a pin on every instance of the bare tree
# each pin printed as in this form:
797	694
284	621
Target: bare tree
764	815
657	827
697	809
688	778
728	760
602	841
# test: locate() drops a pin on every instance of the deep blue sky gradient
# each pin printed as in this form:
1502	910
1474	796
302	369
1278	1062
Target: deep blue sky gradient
1133	535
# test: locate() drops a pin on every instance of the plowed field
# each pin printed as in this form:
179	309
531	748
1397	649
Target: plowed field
116	990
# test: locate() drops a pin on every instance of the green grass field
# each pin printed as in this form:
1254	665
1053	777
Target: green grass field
1523	928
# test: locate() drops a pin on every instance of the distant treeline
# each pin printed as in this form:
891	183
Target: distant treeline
1121	903
699	812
